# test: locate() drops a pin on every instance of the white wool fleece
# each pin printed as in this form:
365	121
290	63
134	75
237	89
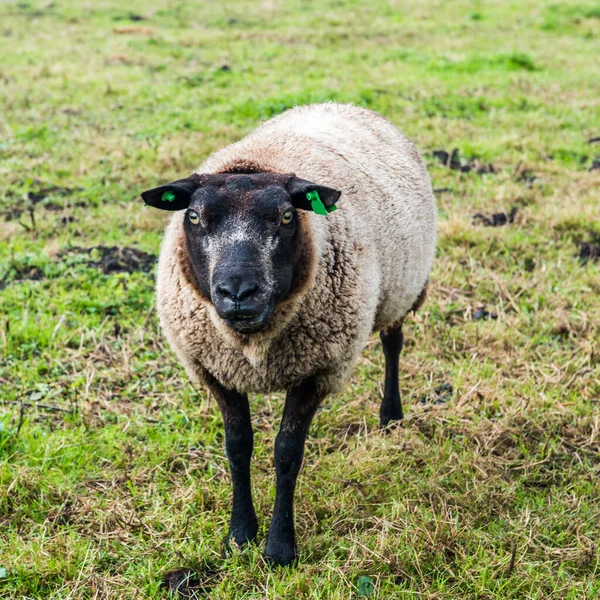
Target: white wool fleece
372	257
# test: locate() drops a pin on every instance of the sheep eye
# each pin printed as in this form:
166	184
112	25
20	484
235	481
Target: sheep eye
193	217
287	217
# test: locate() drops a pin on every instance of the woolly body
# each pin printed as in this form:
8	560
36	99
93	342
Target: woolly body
366	264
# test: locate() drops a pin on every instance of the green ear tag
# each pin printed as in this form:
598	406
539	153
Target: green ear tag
316	202
168	196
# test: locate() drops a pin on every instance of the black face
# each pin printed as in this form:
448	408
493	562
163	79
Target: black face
242	234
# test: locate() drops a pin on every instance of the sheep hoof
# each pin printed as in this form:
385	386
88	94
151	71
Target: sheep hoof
241	536
280	555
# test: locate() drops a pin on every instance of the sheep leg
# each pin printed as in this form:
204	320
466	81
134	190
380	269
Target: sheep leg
239	444
300	406
391	405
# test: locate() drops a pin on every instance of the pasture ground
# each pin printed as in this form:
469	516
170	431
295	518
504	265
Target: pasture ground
112	468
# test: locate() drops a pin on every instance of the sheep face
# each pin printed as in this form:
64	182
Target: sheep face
243	238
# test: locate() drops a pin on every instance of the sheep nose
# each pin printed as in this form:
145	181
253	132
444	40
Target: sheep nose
244	302
236	289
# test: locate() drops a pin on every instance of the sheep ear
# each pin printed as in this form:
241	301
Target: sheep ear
173	196
310	196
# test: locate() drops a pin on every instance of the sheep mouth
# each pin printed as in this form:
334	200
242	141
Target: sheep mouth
249	324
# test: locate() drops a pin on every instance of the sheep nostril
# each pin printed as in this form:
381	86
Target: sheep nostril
226	291
236	291
246	290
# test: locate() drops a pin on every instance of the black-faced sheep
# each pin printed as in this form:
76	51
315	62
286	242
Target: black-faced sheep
262	287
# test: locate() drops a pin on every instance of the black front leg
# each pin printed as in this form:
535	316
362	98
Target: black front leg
239	444
300	406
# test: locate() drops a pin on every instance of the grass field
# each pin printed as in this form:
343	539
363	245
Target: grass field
112	467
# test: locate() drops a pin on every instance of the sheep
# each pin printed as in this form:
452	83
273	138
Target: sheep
262	287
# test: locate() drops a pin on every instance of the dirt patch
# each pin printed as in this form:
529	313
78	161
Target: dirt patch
19	273
526	176
453	161
108	259
129	17
482	314
460	316
28	273
496	220
588	251
112	259
440	395
41	192
188	583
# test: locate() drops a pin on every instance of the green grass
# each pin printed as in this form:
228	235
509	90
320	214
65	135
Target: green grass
112	468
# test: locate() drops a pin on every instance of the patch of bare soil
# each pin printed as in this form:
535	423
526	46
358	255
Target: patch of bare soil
462	315
19	274
26	274
588	251
453	161
495	220
113	259
527	176
108	259
440	395
187	583
482	314
31	199
129	17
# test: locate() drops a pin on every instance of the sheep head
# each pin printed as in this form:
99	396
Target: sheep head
244	238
